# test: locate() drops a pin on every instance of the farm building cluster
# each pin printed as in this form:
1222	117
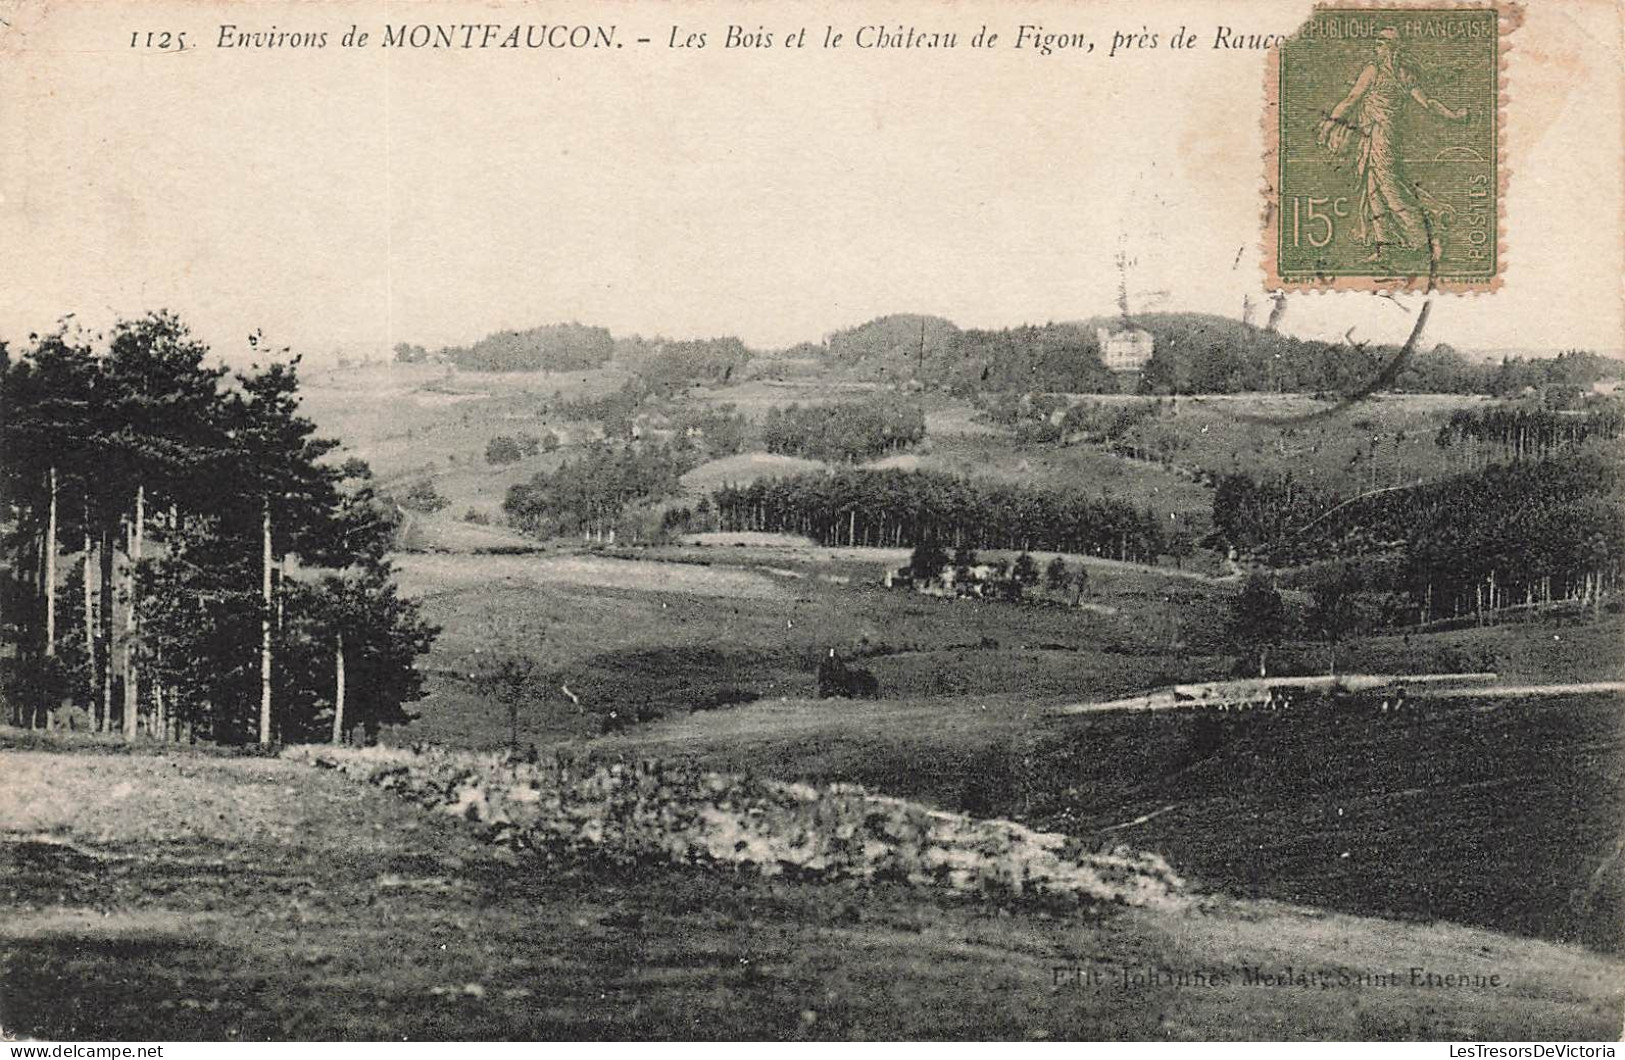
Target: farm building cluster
996	579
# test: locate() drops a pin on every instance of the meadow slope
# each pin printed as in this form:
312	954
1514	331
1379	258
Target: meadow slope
255	898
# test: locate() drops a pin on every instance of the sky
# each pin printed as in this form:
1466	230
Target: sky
344	200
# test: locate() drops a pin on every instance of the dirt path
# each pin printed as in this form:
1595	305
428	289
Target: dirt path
429	573
1215	694
1583	688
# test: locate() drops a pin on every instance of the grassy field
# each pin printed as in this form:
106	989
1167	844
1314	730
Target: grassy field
418	421
680	628
742	469
1140	483
709	627
1431	815
1385	440
1506	816
187	896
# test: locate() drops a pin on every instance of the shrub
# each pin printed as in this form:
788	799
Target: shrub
503	450
422	496
838	681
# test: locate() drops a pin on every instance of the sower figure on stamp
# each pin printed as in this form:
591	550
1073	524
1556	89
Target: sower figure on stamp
1391	206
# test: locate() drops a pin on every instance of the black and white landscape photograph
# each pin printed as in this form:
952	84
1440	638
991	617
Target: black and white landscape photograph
627	538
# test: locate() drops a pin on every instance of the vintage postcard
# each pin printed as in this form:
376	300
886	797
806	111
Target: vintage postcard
880	520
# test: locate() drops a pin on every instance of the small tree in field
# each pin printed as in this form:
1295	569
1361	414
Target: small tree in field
1258	619
926	564
965	559
510	678
508	668
1080	584
503	450
1024	572
422	496
1333	615
1056	576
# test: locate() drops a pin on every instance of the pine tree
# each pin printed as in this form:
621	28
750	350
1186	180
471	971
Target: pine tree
46	437
160	445
276	456
1258	619
1056	576
122	456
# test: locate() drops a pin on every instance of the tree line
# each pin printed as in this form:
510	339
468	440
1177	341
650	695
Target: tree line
551	348
1511	376
181	558
902	509
1523	533
588	495
1517	432
1517	534
1194	353
846	432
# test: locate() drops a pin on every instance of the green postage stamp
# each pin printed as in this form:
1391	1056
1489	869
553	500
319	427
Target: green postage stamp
1385	163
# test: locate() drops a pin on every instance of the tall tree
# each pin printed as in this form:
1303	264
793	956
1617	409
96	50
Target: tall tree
1333	612
277	456
161	445
1258	619
47	438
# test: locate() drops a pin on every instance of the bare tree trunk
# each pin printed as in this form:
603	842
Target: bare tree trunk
265	626
104	723
50	572
281	585
160	729
338	690
132	683
90	619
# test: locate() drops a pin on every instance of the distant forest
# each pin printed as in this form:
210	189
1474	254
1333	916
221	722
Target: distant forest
1534	526
903	509
1195	353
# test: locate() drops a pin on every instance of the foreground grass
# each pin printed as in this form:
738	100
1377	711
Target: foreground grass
197	897
1506	815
